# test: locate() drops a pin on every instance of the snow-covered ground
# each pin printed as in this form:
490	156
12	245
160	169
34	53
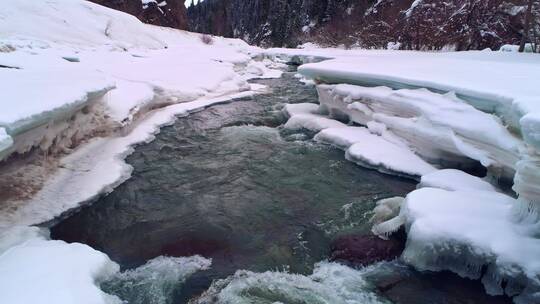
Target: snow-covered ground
419	111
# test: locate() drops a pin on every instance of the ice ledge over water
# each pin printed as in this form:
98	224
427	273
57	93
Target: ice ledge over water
475	234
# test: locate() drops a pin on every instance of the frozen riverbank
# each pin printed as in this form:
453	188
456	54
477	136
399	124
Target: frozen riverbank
453	110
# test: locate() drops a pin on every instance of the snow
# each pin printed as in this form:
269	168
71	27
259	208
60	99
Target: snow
464	230
43	271
292	109
343	138
80	70
376	152
494	82
5	141
453	110
453	180
440	127
17	235
140	66
45	96
312	122
410	10
97	167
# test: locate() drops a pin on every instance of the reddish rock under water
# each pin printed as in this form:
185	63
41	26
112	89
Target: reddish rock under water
366	249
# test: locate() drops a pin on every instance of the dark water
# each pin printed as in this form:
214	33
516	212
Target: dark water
228	184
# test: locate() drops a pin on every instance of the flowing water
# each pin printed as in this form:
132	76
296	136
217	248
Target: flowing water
250	207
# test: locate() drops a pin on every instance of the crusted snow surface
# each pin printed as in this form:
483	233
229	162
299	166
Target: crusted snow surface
38	270
464	231
330	283
452	179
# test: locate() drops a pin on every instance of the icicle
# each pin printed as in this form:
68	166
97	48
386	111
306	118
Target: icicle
385	229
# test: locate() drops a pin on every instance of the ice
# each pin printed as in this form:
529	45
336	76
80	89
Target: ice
386	219
17	235
127	99
453	180
97	167
88	77
464	231
377	153
531	129
455	110
156	281
373	151
292	109
312	122
5	142
441	128
42	96
344	137
145	66
43	271
330	283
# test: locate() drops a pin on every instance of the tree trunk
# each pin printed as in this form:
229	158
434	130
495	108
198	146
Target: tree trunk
526	26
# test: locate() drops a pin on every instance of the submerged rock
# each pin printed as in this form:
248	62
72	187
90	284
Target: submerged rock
366	249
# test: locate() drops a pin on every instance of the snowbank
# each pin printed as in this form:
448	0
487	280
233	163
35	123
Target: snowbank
98	50
452	180
88	77
375	152
454	110
495	82
464	231
97	167
441	128
38	270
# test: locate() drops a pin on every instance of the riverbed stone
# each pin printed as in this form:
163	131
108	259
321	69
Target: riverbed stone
365	249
